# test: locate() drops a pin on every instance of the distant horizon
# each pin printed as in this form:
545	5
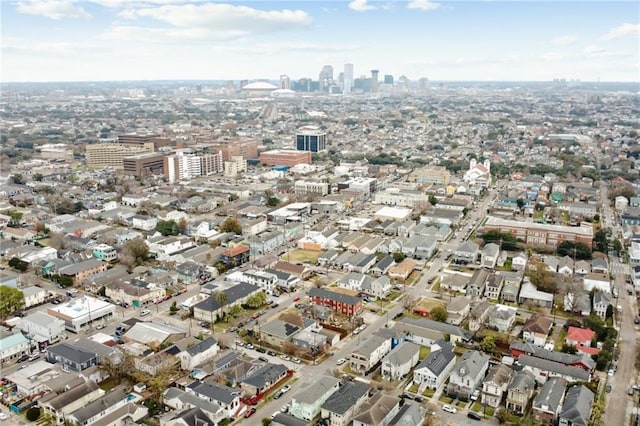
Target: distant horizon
194	40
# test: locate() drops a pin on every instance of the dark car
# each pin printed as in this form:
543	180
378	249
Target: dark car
23	358
263	359
474	416
272	353
56	301
261	350
277	395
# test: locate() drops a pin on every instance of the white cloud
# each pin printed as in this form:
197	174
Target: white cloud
226	17
592	49
52	9
361	6
624	30
423	5
166	35
307	47
565	40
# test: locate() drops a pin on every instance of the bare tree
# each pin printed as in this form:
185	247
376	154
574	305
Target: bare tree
56	240
572	292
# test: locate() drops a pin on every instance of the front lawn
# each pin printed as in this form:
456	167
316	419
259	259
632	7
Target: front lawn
424	352
477	407
560	340
446	399
429	393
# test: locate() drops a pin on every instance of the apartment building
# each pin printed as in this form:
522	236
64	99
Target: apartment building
541	234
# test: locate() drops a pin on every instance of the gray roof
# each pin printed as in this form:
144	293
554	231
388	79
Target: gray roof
561	357
554	367
283	419
331	295
100	404
193	417
234	294
316	389
72	353
95	347
438	360
577	406
267	375
470	363
370	345
202	346
499	374
74	268
65	398
279	328
214	391
403	353
384	263
345	397
523	381
410	414
437	326
39	318
550	396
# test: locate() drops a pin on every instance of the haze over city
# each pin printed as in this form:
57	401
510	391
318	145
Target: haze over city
107	40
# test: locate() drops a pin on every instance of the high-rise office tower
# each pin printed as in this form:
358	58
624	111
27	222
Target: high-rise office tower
325	79
423	84
388	79
374	81
285	82
348	78
311	138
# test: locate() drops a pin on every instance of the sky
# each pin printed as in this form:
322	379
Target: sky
110	40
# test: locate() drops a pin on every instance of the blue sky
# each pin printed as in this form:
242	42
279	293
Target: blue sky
68	40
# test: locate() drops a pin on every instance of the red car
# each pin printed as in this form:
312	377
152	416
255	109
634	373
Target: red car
249	412
295	299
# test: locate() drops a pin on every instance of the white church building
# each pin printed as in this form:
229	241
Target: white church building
479	174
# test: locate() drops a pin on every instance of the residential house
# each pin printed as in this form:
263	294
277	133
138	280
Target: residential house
115	407
467	252
411	413
434	369
582	267
454	282
59	406
84	270
402	270
495	385
577	336
181	400
597	281
209	308
536	329
577	302
548	403
33	296
519	262
263	279
425	332
493	286
379	410
510	285
579	360
503	317
341	303
477	283
300	271
400	361
13	347
286	280
72	357
601	302
198	354
341	406
144	223
351	281
157	362
520	391
600	265
383	266
458	309
479	314
235	256
529	293
543	369
467	374
42	328
307	403
489	255
360	262
377	287
576	410
277	332
228	398
565	266
369	353
263	379
189	417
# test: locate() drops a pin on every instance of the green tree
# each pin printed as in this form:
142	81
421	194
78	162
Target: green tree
18	264
235	310
504	239
601	239
174	308
488	344
433	200
137	249
222	298
398	257
17	179
16	217
617	246
231	225
502	415
33	414
439	313
273	201
520	203
571	248
11	300
168	227
542	278
257	300
38	177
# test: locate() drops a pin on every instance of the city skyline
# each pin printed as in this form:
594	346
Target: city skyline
109	40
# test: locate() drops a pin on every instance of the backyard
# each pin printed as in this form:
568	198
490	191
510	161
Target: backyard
302	256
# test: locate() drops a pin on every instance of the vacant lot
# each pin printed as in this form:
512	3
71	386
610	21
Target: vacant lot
302	256
429	304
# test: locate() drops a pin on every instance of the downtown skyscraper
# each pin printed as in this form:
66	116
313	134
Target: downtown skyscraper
348	78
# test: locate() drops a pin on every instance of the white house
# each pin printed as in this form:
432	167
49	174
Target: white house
434	369
265	280
369	353
42	328
306	404
400	361
145	223
12	347
199	353
33	296
467	374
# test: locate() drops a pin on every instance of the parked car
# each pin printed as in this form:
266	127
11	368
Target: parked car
100	326
23	358
261	350
608	389
285	389
34	356
263	359
449	409
341	361
295	299
144	312
250	412
56	301
3	416
473	415
272	353
296	360
277	395
285	357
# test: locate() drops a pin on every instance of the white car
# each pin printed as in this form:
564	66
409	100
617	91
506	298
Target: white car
296	360
145	312
285	389
3	416
273	416
611	372
341	361
449	409
285	357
